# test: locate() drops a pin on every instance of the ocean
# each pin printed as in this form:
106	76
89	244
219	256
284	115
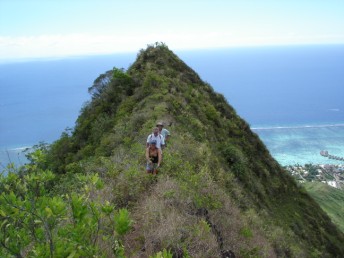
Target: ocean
290	95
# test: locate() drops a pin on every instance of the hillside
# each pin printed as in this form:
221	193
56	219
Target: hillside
219	192
330	199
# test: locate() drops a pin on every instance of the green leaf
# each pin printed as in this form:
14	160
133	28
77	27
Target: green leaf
72	254
48	211
4	223
164	254
2	213
79	207
107	208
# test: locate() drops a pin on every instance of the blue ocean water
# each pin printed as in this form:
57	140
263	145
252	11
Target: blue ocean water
40	99
291	96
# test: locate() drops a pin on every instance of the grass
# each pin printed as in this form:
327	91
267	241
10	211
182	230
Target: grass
330	199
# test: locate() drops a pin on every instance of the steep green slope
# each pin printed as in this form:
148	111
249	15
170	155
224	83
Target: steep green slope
218	192
213	154
330	200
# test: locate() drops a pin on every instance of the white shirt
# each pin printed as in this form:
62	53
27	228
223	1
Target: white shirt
160	140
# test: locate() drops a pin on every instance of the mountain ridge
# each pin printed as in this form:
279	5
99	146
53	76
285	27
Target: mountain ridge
218	193
159	86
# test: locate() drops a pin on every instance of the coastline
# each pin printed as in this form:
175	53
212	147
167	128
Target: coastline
13	155
332	175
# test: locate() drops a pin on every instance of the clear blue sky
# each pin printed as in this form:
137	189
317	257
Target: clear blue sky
53	28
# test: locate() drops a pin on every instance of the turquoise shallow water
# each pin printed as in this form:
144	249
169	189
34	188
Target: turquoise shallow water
302	144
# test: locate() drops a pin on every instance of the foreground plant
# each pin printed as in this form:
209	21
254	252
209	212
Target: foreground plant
36	223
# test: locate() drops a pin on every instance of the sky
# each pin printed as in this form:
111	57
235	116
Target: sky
60	28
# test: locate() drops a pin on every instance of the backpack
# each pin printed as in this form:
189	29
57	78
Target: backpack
150	137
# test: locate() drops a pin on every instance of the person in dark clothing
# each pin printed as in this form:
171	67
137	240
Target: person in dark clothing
153	157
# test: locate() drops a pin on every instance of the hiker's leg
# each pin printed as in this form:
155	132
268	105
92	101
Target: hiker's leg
149	168
155	168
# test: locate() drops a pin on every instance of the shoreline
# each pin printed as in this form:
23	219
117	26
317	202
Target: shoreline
332	175
15	155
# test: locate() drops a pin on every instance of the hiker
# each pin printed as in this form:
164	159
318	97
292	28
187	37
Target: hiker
164	132
160	141
153	157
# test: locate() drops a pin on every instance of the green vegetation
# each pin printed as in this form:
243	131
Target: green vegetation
35	222
330	199
218	190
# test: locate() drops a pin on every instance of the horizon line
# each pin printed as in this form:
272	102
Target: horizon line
129	52
296	127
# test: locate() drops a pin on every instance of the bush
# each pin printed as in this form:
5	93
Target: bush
122	222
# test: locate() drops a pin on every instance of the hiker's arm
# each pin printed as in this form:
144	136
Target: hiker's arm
162	139
147	143
159	157
147	155
167	135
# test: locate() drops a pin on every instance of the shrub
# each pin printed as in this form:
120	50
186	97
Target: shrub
122	222
162	254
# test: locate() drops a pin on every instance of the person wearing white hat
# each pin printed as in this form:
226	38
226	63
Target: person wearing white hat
164	132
